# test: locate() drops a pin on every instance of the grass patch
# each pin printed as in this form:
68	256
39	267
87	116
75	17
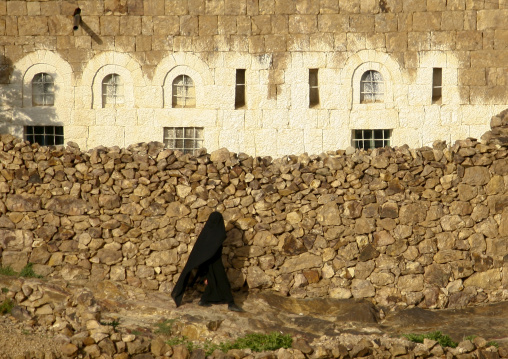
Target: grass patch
6	306
255	341
165	327
492	344
442	339
8	271
26	272
114	323
5	290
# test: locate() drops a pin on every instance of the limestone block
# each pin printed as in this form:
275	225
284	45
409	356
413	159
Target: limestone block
355	42
106	136
313	141
16	8
410	283
266	141
333	23
361	23
419	95
276	119
450	116
253	119
105	116
302	118
32	25
298	42
248	142
489	280
233	120
229	138
418	41
130	25
336	138
492	19
302	24
219	97
442	40
427	21
290	141
284	7
384	119
314	60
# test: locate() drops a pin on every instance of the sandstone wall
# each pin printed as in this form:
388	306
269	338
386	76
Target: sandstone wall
398	226
150	42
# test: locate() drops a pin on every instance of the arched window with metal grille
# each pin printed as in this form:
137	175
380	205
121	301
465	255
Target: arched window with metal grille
372	87
112	91
43	90
184	92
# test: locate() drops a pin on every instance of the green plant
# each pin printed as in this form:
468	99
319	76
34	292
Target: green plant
443	340
28	272
260	342
6	306
136	332
8	271
165	327
492	344
114	323
470	337
5	290
256	342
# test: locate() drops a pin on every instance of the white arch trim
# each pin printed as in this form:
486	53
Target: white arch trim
366	60
111	63
52	64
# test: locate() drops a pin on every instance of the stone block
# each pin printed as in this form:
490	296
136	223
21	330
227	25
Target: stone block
176	7
261	24
302	24
275	43
226	25
208	25
427	21
110	25
349	6
266	7
16	8
472	77
130	25
32	25
396	41
285	7
385	22
214	7
492	19
256	44
235	7
307	7
166	25
361	23
280	24
333	23
442	40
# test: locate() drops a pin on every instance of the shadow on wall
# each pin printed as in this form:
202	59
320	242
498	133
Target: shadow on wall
14	116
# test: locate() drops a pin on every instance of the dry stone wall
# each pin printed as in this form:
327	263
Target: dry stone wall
398	226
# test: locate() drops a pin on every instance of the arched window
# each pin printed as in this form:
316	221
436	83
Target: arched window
112	91
43	90
372	87
184	92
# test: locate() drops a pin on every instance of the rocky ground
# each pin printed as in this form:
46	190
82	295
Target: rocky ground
113	318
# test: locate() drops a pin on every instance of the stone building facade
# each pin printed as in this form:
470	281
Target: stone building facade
264	77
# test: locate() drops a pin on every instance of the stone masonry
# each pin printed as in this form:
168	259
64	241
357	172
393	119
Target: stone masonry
148	43
398	226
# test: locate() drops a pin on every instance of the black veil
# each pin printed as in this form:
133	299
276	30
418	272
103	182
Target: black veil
206	256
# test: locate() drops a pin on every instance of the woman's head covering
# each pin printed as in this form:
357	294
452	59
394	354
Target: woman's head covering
208	243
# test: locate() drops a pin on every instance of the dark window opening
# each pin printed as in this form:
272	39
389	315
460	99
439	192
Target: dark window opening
371	138
437	85
313	88
240	89
45	135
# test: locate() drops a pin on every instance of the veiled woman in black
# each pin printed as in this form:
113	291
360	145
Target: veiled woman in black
206	256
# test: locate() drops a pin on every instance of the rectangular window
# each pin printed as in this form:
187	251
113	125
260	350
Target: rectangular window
437	85
371	138
45	135
240	88
313	88
185	139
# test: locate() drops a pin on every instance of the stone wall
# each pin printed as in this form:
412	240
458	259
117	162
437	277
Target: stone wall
398	226
151	42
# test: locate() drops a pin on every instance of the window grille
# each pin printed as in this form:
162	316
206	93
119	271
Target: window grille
313	88
371	87
184	92
240	89
112	91
43	90
185	139
437	85
371	138
45	135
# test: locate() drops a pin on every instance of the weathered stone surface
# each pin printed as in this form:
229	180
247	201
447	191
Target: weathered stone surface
23	203
67	205
303	261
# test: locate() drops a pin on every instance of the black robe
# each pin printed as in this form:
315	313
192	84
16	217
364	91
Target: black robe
206	256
